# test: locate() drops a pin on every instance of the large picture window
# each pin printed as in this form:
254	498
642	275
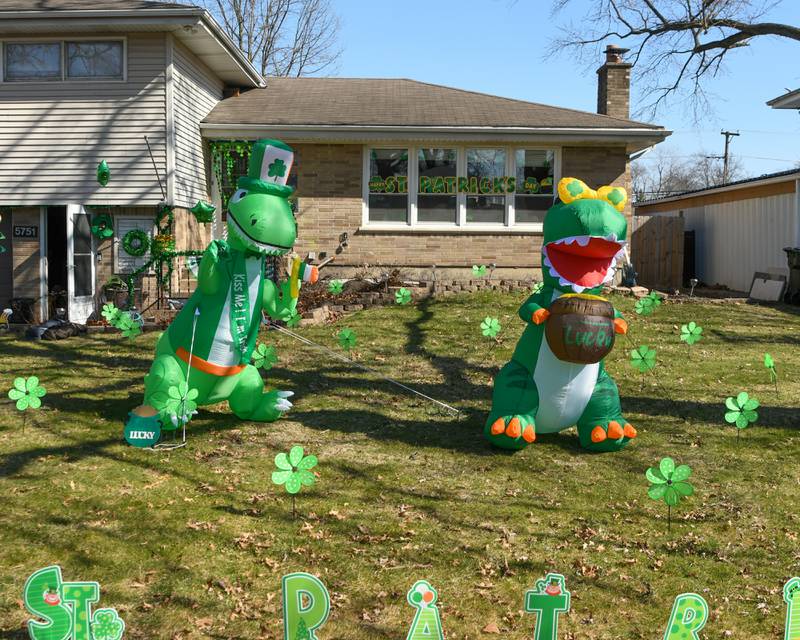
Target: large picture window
388	171
454	186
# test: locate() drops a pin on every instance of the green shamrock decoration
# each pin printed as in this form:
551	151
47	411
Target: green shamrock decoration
769	363
656	299
294	319
643	358
276	169
181	403
691	333
347	339
537	287
402	296
490	327
111	313
203	211
107	625
128	326
335	287
669	483
478	270
575	188
742	410
264	357
294	472
102	226
645	306
103	173
27	393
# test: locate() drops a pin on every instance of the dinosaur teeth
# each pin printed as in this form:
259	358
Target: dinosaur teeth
583	240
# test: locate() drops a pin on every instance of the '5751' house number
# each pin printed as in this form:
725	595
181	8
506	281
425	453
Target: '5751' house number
26	231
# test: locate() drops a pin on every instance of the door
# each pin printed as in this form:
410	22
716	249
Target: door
80	264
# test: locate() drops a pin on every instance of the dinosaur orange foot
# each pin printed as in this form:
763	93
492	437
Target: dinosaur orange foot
611	437
511	432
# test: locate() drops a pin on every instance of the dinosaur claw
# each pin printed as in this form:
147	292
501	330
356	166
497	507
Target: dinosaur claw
615	431
529	434
629	430
514	428
598	434
498	427
285	394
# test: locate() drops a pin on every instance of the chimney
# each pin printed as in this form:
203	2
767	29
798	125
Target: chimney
614	84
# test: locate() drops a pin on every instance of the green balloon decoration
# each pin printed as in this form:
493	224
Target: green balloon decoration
103	173
217	328
203	211
102	226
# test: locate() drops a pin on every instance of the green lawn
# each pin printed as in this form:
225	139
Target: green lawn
192	544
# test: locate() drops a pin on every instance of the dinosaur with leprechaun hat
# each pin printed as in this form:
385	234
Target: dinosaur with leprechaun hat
211	340
556	378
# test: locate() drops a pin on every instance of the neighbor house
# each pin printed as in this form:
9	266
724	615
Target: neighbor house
388	172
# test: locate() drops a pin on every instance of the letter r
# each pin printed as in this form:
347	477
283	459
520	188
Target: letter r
688	617
306	601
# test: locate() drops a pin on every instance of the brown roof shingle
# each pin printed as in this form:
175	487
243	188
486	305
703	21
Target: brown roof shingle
397	102
88	5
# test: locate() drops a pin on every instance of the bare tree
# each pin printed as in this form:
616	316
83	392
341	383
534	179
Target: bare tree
675	44
282	37
658	174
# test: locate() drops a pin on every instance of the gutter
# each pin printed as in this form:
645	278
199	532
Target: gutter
789	100
180	16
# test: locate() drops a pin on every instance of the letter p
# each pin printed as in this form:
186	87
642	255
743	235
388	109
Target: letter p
306	605
689	615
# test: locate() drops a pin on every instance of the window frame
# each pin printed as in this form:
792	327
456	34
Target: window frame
65	79
461	224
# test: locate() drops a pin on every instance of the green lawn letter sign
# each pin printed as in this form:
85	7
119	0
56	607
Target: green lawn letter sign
63	610
547	600
306	605
688	617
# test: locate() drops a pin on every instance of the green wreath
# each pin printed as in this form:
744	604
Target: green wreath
102	226
136	243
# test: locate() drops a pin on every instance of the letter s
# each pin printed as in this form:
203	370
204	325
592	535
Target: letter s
58	625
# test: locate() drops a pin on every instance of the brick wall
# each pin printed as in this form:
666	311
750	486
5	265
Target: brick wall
329	203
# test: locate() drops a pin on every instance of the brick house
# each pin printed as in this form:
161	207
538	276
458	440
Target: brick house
414	174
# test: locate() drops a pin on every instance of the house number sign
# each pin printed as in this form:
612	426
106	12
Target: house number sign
26	231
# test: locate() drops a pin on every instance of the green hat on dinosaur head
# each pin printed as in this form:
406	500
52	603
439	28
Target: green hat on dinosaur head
268	170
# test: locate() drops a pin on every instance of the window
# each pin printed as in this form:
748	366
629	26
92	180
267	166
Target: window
534	186
126	263
487	166
58	61
94	59
437	200
454	186
388	185
32	61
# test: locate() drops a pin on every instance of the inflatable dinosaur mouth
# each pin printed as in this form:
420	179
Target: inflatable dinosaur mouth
583	262
263	247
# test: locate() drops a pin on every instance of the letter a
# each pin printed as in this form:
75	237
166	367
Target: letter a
689	615
426	625
306	605
547	600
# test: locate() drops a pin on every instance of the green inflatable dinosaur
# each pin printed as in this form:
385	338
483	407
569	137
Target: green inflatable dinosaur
539	391
216	330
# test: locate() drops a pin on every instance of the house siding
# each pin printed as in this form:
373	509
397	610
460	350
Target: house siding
54	134
329	189
196	90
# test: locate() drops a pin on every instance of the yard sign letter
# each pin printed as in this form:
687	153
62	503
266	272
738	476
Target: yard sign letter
791	593
689	615
427	625
547	600
306	605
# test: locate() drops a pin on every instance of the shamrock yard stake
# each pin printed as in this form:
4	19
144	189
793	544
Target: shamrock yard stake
347	339
741	411
402	296
643	358
181	403
294	319
294	472
769	363
264	357
490	327
479	270
691	333
335	287
28	394
669	483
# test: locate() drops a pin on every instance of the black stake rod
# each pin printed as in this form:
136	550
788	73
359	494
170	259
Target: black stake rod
155	166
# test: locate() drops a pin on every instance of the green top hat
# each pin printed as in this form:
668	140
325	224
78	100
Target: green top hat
268	170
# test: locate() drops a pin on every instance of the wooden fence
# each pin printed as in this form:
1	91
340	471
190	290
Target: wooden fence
657	251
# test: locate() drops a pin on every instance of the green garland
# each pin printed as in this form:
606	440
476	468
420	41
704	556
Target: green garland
136	243
224	154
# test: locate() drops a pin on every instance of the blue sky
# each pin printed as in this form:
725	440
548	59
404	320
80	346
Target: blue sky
499	47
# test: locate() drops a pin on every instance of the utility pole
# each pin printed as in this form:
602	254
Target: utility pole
728	135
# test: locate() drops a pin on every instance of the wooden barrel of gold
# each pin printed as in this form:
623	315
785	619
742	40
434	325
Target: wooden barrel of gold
580	328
